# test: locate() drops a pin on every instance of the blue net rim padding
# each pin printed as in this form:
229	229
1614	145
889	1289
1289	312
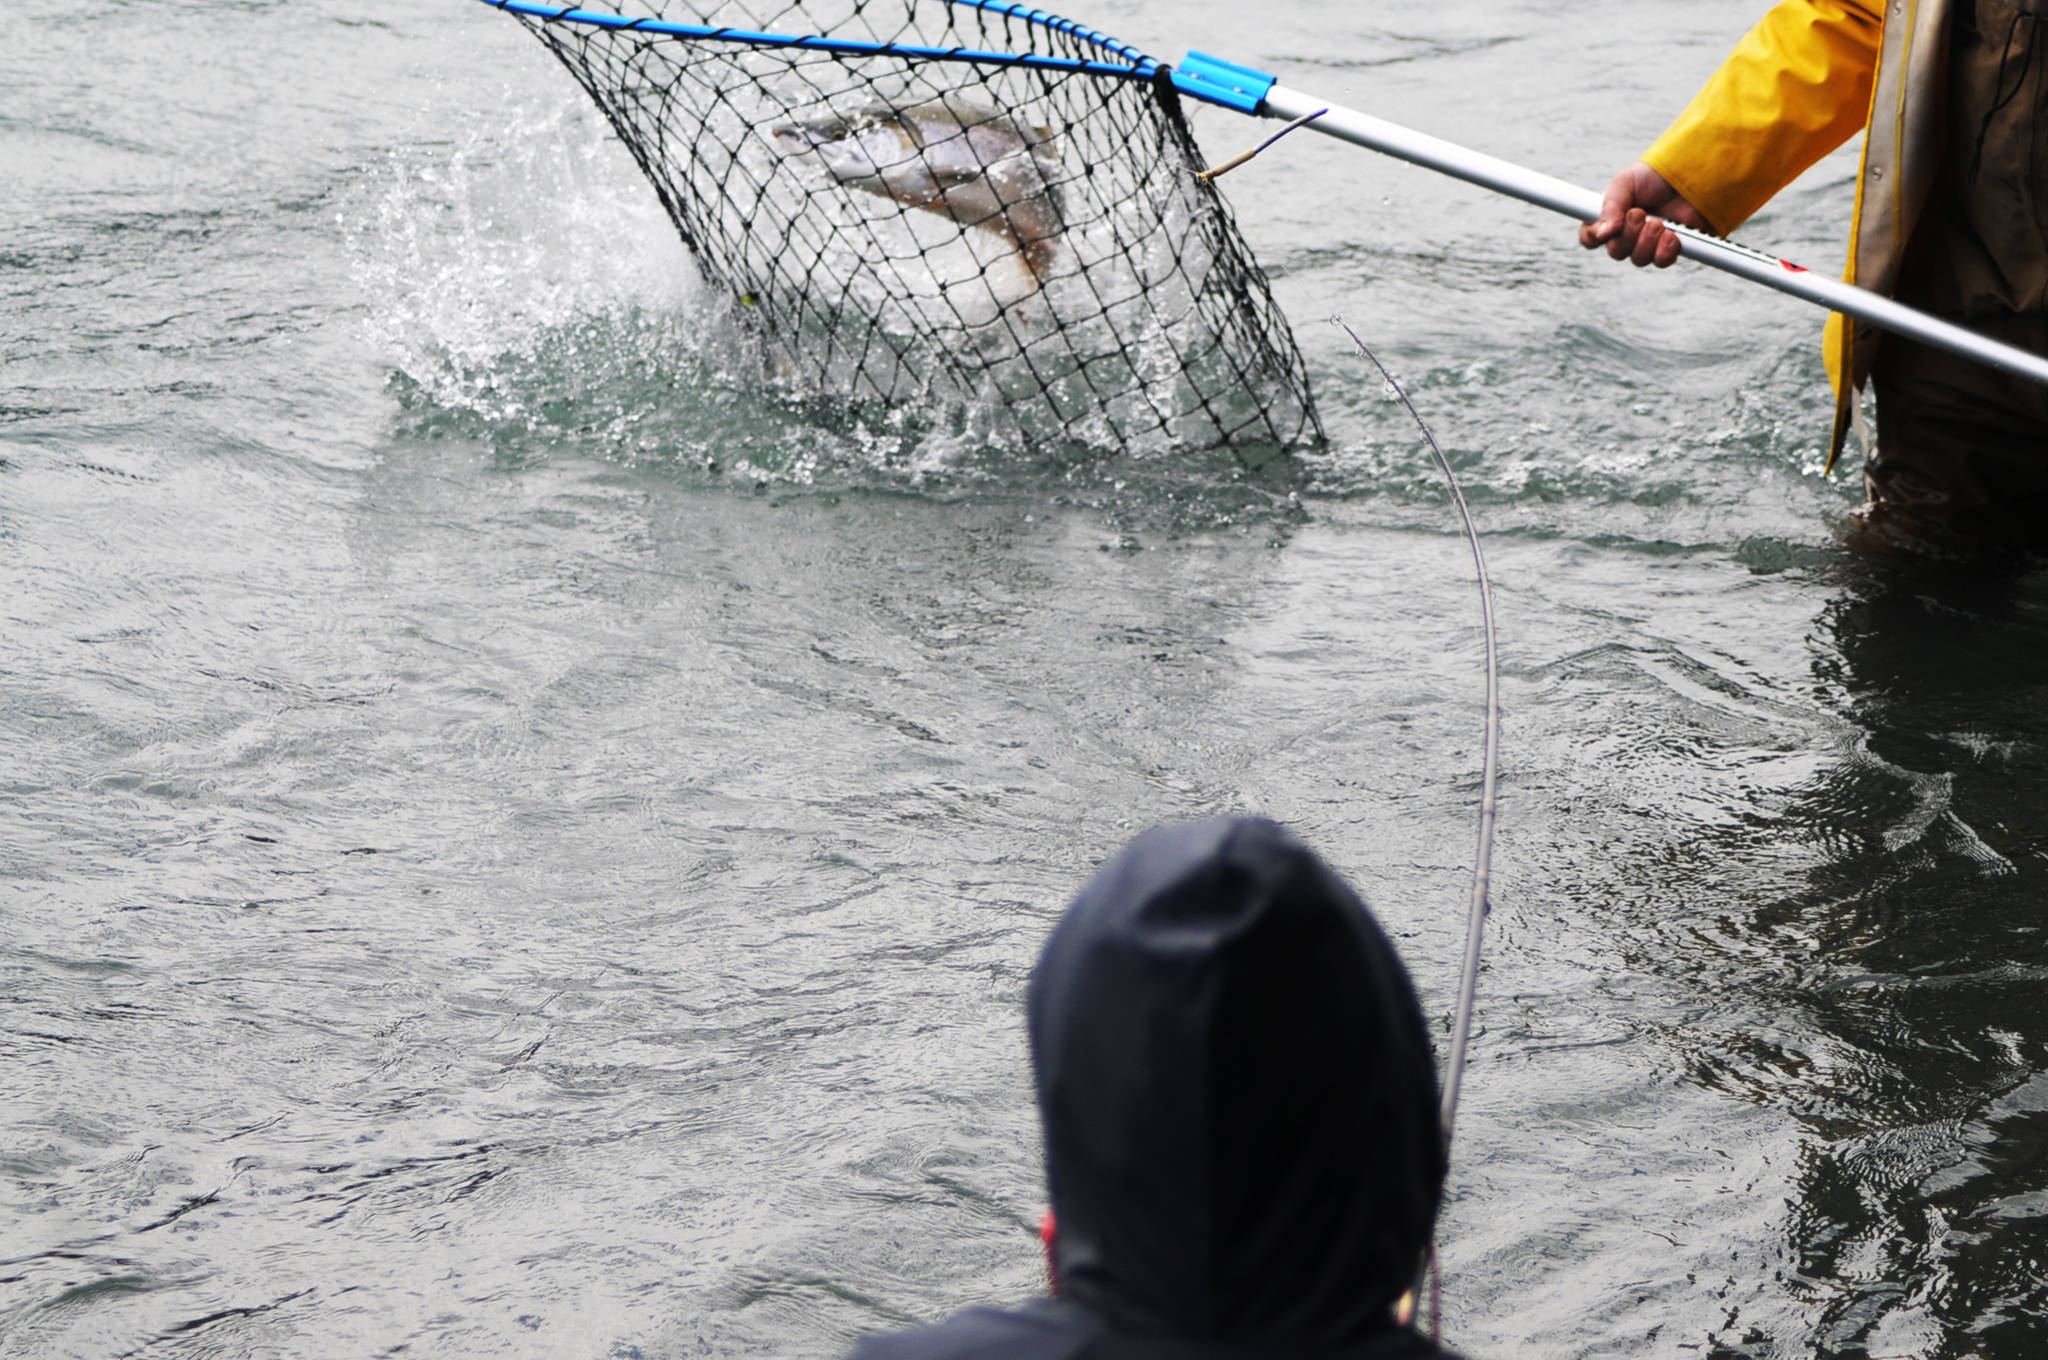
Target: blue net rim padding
1132	64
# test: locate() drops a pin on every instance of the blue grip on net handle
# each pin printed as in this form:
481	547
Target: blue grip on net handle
1216	81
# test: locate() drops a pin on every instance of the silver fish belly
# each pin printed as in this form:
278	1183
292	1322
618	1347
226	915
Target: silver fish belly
961	161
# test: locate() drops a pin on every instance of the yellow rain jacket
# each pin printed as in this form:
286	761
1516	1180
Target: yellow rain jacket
1799	85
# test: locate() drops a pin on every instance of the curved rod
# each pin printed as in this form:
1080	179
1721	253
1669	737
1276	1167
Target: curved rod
1489	771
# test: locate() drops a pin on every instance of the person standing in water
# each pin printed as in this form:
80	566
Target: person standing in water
1951	217
1240	1114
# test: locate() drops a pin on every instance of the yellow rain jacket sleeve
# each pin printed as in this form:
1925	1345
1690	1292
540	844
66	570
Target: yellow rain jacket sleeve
1794	89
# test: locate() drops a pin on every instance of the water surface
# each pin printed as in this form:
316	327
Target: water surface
518	841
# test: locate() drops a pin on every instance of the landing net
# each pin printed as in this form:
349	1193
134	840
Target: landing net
950	205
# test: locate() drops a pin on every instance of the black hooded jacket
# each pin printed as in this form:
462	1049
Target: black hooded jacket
1240	1117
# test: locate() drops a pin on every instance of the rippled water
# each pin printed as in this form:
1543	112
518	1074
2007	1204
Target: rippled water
518	843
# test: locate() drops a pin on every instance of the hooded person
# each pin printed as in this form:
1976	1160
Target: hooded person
1240	1113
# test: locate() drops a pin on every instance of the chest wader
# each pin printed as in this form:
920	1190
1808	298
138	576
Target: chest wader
1962	452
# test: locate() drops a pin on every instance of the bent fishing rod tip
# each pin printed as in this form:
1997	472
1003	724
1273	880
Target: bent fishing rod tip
1215	172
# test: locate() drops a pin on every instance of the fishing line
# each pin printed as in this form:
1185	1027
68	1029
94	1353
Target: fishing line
1482	860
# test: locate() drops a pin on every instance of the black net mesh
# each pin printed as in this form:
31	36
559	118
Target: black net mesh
1028	245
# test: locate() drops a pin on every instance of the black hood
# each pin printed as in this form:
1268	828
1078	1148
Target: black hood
1239	1099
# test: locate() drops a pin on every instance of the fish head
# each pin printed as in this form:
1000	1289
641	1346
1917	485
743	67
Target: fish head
870	148
945	142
